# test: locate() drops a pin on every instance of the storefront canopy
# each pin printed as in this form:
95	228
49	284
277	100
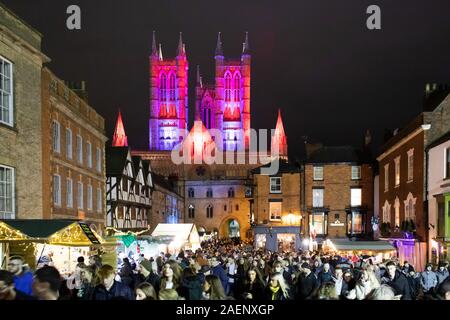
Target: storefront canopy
181	233
347	245
58	232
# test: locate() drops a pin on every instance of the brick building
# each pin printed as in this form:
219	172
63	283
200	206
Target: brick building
73	148
275	204
403	217
338	193
21	61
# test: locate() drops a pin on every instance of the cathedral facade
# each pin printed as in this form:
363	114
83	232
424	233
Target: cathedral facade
216	196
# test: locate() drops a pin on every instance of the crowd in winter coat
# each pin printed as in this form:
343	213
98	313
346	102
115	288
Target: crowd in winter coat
223	270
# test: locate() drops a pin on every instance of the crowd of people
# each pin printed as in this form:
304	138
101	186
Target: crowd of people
229	270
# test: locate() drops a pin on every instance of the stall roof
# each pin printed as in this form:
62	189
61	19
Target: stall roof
182	231
347	245
59	231
39	228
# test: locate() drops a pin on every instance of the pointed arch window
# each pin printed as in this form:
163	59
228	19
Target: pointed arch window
209	193
386	212
209	211
227	87
410	207
191	193
172	87
231	192
397	212
163	87
237	87
191	211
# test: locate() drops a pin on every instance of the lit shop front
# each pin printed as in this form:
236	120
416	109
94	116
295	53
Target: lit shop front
346	248
52	242
277	238
173	237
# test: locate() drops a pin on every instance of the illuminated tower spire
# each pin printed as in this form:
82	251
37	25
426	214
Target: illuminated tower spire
245	45
199	78
154	50
279	139
120	138
219	49
160	53
181	49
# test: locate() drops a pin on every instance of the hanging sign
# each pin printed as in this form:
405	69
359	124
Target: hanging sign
88	232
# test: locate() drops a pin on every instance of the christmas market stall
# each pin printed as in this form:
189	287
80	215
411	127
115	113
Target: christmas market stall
173	237
54	242
347	248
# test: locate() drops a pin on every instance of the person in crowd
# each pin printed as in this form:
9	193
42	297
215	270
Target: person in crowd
414	284
168	294
191	286
442	273
406	268
109	288
278	267
7	289
384	292
277	288
366	282
95	261
327	291
168	281
46	283
428	280
253	286
231	269
443	292
307	283
213	288
145	291
89	280
23	280
176	268
340	285
397	280
126	273
325	275
218	270
148	273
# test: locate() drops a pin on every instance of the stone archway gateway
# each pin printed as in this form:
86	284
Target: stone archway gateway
230	228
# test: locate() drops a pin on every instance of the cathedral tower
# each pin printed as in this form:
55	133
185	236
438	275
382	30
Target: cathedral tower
168	97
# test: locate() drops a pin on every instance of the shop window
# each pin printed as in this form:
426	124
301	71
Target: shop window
318	223
355	224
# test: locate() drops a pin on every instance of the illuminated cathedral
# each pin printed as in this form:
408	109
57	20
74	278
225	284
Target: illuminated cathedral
223	105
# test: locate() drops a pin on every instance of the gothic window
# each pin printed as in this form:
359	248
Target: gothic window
386	212
231	193
191	193
410	207
227	87
172	87
191	211
209	211
163	87
209	193
237	87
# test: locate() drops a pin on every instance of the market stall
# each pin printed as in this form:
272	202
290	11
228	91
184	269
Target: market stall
54	242
344	247
173	237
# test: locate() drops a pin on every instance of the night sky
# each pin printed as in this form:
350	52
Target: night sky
316	60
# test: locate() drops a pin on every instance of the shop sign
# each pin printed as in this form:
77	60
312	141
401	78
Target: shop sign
88	232
337	223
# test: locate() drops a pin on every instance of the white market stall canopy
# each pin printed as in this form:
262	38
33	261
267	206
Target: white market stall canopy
347	245
181	233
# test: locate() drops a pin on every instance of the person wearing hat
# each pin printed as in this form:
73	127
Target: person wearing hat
148	273
307	284
428	280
